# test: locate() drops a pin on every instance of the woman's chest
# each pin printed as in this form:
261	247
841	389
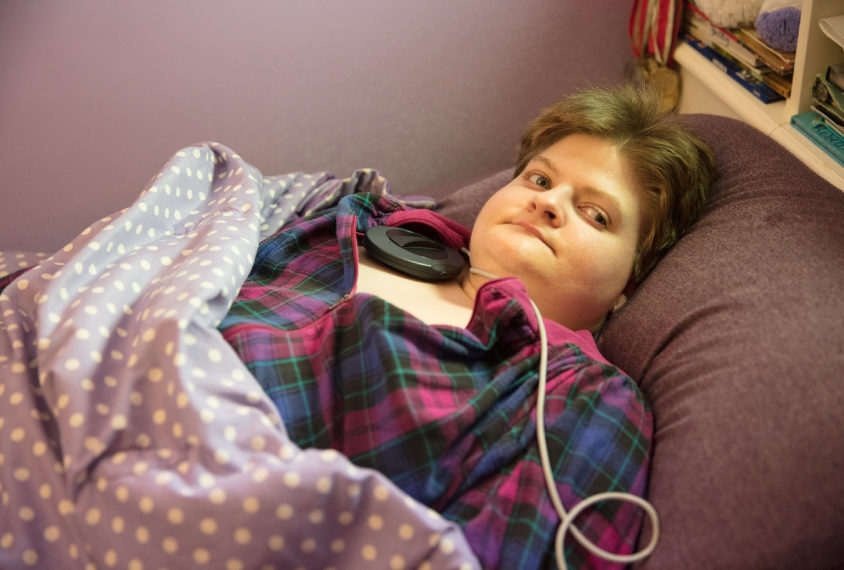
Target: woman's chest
437	303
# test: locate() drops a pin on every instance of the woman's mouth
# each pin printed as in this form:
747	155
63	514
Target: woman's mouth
534	231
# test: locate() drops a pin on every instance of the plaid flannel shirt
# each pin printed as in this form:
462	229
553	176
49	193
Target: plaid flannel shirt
446	413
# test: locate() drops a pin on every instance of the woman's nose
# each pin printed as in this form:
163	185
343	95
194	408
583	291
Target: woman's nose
549	206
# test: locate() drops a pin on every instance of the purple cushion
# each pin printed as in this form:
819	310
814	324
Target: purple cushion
737	340
463	205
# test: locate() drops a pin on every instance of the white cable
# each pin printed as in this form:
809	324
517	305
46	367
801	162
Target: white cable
567	519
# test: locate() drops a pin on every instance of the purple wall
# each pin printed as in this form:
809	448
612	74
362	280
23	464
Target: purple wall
95	95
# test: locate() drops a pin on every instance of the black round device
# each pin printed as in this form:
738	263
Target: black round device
413	254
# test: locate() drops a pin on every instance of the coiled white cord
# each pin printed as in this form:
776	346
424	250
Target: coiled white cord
567	518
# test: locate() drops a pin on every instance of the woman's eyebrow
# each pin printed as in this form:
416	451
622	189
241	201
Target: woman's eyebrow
597	193
548	164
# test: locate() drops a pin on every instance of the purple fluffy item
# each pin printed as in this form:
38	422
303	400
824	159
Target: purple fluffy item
779	28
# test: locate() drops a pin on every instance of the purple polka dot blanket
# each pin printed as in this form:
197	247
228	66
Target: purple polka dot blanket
134	436
192	382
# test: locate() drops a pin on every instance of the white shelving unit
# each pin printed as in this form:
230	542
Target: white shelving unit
706	89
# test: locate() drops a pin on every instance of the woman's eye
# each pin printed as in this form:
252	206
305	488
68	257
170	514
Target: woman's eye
539	180
596	216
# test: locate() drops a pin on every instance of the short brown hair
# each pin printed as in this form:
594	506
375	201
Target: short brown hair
673	167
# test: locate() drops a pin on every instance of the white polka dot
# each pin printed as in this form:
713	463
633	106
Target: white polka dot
369	553
292	479
308	545
287	452
217	496
121	494
51	533
170	545
201	556
381	492
30	557
251	505
323	485
66	507
276	542
92	517
242	535
208	526
146	504
110	557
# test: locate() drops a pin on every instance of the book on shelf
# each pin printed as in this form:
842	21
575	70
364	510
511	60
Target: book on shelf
763	63
735	71
817	129
781	85
701	27
828	97
781	62
830	120
835	74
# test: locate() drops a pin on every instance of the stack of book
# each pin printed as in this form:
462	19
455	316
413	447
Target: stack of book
823	123
740	53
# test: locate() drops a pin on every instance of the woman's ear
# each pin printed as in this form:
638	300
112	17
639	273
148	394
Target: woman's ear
625	294
619	302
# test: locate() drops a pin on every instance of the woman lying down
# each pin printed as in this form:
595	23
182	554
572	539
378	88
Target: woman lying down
438	381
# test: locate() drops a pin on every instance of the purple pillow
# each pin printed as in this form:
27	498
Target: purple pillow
737	340
463	205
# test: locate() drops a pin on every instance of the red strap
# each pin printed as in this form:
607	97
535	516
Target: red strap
452	233
653	28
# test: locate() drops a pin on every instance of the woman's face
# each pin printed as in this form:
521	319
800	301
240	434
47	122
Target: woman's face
567	227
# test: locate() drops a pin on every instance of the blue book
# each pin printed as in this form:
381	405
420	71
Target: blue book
814	127
740	75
